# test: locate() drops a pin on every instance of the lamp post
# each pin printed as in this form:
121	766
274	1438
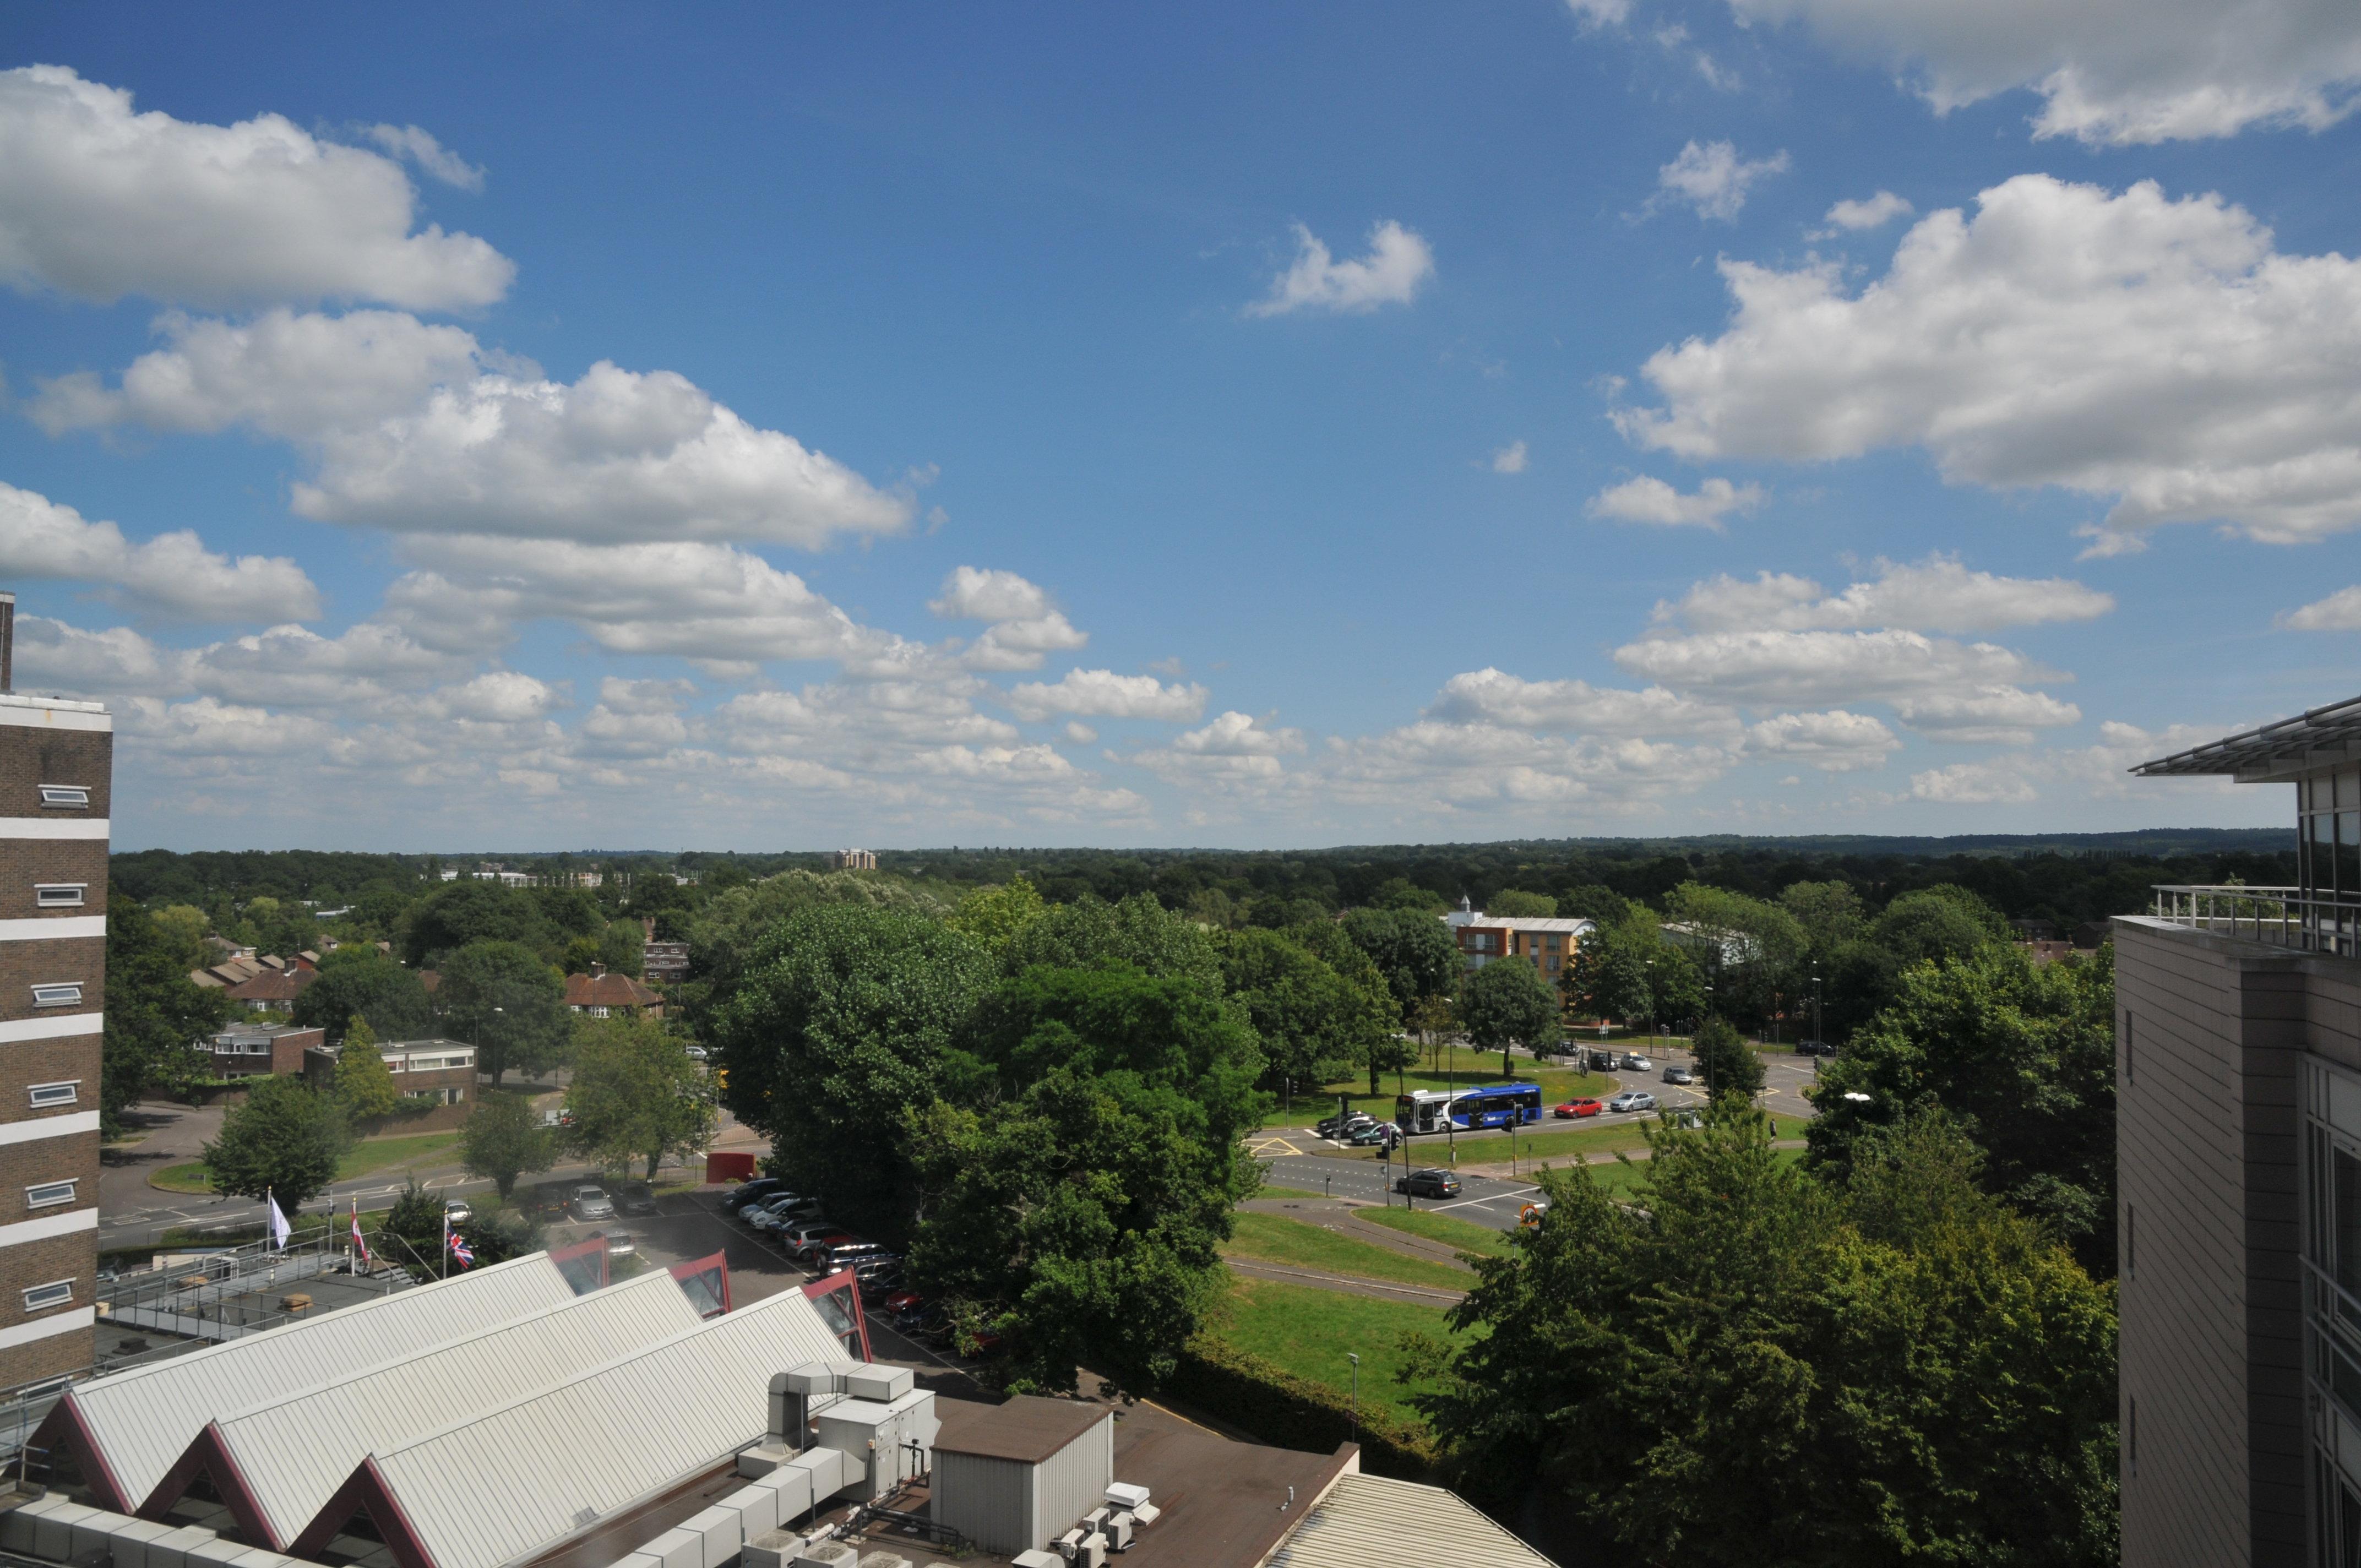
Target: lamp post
1356	1394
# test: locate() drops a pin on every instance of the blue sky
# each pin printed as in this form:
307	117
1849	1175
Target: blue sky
1075	424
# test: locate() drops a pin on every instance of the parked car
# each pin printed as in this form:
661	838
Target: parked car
1815	1049
783	1208
1428	1184
927	1321
592	1203
458	1211
622	1244
810	1253
746	1192
795	1232
1677	1074
1632	1099
1573	1108
1342	1127
694	1053
1601	1061
838	1256
880	1285
1376	1134
635	1198
902	1301
1634	1062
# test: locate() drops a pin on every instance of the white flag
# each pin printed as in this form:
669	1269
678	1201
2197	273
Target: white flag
279	1226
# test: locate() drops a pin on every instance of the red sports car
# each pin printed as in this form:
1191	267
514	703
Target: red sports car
1573	1108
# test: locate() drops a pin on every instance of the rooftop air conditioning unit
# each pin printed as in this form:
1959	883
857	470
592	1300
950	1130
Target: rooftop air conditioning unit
826	1554
1118	1532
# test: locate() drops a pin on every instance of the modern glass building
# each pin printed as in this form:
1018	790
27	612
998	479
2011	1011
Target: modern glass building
2238	1124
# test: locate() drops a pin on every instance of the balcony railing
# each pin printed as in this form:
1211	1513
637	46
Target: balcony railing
2285	916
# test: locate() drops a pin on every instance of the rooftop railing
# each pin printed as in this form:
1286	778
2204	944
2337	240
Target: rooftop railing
2284	917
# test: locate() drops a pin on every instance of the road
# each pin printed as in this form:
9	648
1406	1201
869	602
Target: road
1481	1199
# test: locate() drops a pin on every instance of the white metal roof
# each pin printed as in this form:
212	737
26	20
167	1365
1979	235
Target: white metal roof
507	1483
1369	1521
294	1452
142	1421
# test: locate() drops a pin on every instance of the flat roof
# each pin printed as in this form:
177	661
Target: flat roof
2282	750
1027	1429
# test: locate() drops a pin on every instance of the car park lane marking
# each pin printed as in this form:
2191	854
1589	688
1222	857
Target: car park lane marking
1272	1148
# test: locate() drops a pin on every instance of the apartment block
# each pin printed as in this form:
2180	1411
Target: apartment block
56	765
2238	1148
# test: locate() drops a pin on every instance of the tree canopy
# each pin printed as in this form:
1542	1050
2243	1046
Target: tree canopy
369	986
635	1094
1507	1003
502	1139
285	1140
505	999
154	1013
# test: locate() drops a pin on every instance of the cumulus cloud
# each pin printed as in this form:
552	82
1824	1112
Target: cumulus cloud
418	429
1712	178
172	574
1936	594
1509	459
2160	353
1026	625
2340	612
1398	263
1974	783
1650	500
421	148
1431	766
1812	667
1103	694
1835	741
1600	13
1875	213
1236	747
99	202
2109	71
1574	706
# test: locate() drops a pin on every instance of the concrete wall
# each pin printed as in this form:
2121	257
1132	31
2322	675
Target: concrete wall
989	1500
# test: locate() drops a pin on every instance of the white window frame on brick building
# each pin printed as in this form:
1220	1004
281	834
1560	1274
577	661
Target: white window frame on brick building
42	1096
49	1194
56	1293
57	993
68	798
60	895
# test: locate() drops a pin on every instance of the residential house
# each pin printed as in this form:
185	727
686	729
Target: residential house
439	1075
602	993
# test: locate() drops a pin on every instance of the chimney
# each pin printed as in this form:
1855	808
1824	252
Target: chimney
7	642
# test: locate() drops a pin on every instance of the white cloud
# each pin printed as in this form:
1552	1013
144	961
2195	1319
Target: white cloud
1509	459
1974	783
1650	500
421	148
2158	352
1712	178
2340	612
1600	13
172	574
1835	741
1431	766
1026	626
98	202
1103	694
1398	261
1491	696
1936	594
1997	716
1875	213
1079	733
1815	668
1235	734
2110	72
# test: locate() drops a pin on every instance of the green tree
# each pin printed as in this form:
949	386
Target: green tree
993	915
1829	911
155	1013
1517	905
1742	1366
1729	1063
1591	902
1507	1003
580	953
459	912
502	1139
1752	949
1936	923
1677	984
1400	892
842	1023
1314	1025
285	1141
2022	1055
1085	1197
365	1091
1413	950
1610	975
635	1094
1138	931
1372	1033
361	982
502	999
184	924
622	947
410	1233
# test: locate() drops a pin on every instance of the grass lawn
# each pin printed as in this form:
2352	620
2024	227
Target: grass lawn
1621	1179
1465	1234
375	1153
1273	1238
1309	1331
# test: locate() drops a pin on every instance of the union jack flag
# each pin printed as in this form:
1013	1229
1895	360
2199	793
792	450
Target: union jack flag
461	1252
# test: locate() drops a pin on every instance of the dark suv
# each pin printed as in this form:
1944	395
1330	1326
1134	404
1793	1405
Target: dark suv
1428	1184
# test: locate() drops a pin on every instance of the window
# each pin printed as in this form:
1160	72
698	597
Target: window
71	797
253	1048
45	1095
48	1194
58	894
56	1293
59	994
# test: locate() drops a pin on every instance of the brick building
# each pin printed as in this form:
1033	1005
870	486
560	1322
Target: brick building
439	1073
1546	944
252	1050
56	764
853	860
602	993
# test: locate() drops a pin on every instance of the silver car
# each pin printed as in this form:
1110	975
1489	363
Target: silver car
1679	1075
1632	1099
592	1203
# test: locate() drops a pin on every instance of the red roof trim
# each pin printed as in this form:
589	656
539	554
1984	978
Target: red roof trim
208	1455
849	1283
365	1490
713	1263
584	1249
65	1426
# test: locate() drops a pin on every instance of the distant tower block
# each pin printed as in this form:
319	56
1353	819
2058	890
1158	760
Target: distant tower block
853	860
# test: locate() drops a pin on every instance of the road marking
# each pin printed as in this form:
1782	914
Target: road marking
1272	1148
1494	1198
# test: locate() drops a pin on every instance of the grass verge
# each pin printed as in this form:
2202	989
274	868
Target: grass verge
1309	1331
1465	1234
1273	1238
375	1153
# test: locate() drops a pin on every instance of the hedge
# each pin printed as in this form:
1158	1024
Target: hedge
1289	1411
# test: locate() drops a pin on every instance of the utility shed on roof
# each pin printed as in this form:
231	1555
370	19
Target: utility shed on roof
1368	1521
129	1429
1015	1476
498	1485
277	1465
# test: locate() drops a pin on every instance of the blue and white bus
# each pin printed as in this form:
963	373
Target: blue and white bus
1493	1105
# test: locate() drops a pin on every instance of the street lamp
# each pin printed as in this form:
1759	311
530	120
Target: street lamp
1356	1394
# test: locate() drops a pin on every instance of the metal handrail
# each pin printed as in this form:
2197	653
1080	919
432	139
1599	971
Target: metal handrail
2284	917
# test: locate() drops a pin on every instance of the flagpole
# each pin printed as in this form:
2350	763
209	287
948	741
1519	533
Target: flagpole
446	1241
